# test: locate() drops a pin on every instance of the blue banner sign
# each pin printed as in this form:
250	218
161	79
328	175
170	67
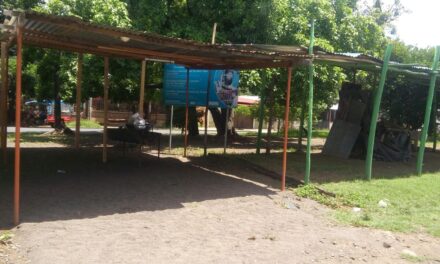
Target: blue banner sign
223	88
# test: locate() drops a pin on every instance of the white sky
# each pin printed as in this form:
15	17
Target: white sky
421	25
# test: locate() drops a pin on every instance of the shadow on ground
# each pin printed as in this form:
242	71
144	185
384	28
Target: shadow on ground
331	169
62	184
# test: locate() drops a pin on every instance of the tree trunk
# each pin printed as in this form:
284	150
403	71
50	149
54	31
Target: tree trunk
270	101
219	117
218	121
57	106
193	126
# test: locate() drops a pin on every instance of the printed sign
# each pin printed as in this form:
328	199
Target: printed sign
223	88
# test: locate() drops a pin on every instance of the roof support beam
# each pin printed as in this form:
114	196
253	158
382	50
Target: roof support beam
78	99
18	124
375	113
429	100
4	100
286	128
106	86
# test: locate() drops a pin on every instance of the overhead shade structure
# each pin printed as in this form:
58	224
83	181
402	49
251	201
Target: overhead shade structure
75	35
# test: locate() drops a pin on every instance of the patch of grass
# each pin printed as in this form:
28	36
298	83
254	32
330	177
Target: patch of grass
319	133
5	237
38	137
85	123
414	259
413	203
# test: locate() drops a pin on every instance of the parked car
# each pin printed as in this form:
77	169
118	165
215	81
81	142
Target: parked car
67	113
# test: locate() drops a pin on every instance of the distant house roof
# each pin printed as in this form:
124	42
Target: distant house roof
248	99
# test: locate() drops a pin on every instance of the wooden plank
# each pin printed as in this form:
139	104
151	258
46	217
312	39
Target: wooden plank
106	86
78	99
142	88
4	99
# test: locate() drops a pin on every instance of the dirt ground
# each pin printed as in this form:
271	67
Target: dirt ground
140	209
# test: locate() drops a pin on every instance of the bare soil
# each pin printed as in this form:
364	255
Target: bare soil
140	209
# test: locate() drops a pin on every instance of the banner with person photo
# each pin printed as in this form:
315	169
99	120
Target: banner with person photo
223	87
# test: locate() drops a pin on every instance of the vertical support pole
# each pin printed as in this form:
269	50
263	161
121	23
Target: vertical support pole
186	113
205	140
375	114
106	85
78	99
4	100
142	89
18	122
260	121
226	130
310	110
171	127
434	121
286	128
428	111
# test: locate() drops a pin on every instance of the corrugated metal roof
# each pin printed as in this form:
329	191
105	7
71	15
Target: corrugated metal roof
76	35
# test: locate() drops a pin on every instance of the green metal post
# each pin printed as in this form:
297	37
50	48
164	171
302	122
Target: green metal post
310	112
375	114
428	110
434	122
260	121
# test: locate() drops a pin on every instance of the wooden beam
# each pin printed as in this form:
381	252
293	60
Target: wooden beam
286	129
106	85
78	99
17	125
4	100
142	89
186	113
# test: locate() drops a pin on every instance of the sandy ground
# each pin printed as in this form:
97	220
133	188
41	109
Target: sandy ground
146	210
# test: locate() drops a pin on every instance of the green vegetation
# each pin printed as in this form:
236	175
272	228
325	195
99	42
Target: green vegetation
5	237
66	140
412	203
319	133
85	123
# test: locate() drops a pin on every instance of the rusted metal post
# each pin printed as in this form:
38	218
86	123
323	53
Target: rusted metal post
225	143
142	89
18	123
205	140
171	127
186	113
78	99
4	100
106	85
286	128
208	88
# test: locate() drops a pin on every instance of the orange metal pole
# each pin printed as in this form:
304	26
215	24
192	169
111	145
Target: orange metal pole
17	126
286	129
78	99
106	84
186	112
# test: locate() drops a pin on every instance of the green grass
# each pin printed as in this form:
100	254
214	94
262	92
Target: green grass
67	140
414	204
85	123
319	133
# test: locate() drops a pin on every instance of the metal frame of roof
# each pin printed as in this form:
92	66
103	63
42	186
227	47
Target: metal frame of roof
76	35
